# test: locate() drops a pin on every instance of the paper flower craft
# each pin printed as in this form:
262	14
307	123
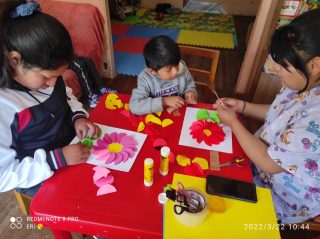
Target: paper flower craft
209	132
115	148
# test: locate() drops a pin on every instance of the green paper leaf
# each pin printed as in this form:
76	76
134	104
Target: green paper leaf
214	117
202	114
87	142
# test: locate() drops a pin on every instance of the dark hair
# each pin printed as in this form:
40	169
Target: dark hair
161	51
297	43
40	39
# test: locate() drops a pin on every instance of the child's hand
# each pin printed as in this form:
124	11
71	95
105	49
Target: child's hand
173	101
190	97
76	153
227	115
232	104
85	128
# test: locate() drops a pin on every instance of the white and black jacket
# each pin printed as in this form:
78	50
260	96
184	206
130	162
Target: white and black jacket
34	126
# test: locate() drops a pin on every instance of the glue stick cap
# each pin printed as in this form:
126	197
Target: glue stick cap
162	198
165	151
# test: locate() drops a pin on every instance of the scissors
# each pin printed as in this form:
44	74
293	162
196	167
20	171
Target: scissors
237	161
179	209
182	190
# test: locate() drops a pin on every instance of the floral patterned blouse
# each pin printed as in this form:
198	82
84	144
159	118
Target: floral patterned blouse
292	131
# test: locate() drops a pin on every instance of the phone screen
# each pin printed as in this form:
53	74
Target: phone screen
231	188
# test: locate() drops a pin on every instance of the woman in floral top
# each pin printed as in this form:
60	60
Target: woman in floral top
287	153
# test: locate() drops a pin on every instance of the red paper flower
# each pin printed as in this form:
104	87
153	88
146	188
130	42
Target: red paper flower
209	132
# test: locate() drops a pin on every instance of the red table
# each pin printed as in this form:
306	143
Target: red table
67	202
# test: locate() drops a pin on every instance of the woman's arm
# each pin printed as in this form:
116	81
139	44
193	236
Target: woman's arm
255	149
257	111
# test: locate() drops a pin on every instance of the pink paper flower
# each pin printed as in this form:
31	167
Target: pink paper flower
116	147
209	132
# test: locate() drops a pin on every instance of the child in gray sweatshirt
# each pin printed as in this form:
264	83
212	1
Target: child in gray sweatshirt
165	82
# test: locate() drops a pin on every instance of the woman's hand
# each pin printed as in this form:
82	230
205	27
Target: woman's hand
85	127
227	115
232	104
76	153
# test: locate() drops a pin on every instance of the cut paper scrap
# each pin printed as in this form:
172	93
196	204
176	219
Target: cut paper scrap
124	166
106	180
115	148
209	132
166	122
151	118
112	102
159	113
141	126
159	142
203	163
126	107
100	172
187	140
103	180
193	170
183	160
105	189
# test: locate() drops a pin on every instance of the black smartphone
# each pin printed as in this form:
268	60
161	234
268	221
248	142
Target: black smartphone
231	188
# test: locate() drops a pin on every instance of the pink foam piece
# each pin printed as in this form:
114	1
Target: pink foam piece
100	172
105	180
105	189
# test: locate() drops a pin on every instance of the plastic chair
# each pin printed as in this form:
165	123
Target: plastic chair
202	64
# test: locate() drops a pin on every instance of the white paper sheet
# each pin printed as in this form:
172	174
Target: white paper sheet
187	140
123	166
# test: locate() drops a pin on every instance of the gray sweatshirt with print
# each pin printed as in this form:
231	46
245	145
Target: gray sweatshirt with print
147	97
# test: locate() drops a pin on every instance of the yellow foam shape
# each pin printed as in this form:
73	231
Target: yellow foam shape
202	162
148	118
166	122
153	119
126	107
183	160
209	39
118	103
112	97
159	113
216	203
141	126
217	225
109	105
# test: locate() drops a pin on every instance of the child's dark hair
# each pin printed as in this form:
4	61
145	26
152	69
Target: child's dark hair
41	40
161	51
297	43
